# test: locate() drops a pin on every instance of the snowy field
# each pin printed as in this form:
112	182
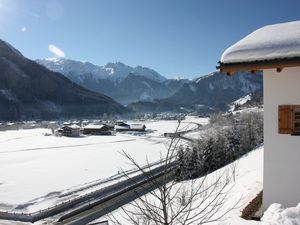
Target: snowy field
35	169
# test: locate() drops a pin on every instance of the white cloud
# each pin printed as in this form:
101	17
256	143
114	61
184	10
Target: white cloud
23	29
56	51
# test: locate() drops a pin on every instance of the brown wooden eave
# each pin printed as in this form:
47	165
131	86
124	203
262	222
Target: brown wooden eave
279	64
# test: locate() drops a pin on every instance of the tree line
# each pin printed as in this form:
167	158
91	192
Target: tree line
226	138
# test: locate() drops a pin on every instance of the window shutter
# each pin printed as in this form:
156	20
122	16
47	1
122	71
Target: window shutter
286	118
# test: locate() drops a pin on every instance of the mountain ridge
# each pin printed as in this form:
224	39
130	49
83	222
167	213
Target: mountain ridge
114	71
212	92
113	79
31	91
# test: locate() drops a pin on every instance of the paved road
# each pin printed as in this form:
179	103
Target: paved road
91	200
115	202
180	134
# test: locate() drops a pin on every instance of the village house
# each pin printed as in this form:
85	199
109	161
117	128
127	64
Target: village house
92	129
121	123
69	131
137	127
122	126
110	124
275	50
130	127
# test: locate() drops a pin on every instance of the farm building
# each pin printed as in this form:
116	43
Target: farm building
275	50
122	126
70	131
137	127
110	124
130	127
121	123
92	129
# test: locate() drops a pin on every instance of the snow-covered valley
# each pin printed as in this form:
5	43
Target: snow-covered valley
39	171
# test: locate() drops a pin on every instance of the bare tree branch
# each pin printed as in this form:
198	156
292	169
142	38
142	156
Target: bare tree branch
177	203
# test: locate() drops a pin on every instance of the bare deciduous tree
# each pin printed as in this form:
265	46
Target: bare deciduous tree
172	202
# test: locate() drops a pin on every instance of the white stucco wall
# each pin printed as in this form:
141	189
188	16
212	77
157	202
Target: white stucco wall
282	151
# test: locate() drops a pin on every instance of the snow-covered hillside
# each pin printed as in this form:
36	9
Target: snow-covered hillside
246	185
238	103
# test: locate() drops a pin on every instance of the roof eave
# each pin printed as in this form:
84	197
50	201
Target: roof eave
278	64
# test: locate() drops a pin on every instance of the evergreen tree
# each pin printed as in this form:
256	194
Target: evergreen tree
233	144
219	145
195	163
190	164
207	157
181	166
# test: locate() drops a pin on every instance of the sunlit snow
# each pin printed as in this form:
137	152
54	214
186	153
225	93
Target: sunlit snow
267	43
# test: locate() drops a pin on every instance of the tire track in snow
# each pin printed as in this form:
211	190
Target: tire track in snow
65	146
17	138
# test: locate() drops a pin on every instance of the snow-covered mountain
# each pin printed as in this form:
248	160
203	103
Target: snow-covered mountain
147	87
116	72
213	91
124	83
217	89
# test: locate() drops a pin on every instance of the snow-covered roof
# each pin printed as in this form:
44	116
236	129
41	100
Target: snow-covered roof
137	126
130	127
117	127
278	41
93	126
73	126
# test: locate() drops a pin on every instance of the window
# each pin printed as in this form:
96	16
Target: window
289	119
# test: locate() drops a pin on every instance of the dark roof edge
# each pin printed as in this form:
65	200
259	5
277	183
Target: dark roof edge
252	66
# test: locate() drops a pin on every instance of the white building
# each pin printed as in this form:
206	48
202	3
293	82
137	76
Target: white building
275	49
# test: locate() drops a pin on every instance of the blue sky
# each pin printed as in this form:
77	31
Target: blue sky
175	37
